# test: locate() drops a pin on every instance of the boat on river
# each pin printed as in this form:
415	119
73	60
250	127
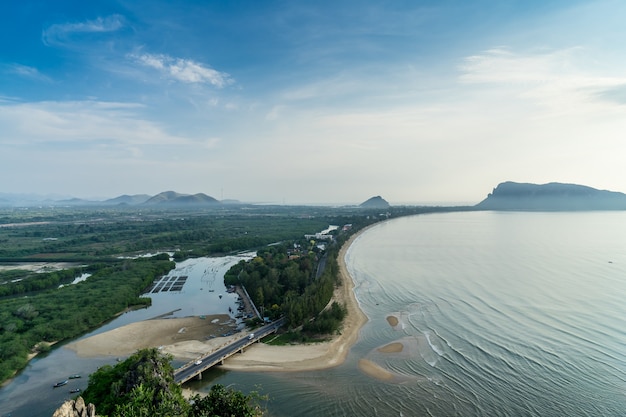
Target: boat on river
60	384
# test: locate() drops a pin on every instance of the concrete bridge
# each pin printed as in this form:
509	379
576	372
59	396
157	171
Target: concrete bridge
196	367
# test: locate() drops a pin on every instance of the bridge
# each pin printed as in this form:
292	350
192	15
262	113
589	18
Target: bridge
196	367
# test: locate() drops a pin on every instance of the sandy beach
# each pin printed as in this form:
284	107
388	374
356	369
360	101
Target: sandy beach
189	337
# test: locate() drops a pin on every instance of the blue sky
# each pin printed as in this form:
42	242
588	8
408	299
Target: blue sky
302	102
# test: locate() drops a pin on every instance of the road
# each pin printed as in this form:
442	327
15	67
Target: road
192	369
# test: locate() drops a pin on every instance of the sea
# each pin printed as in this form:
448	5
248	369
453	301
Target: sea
473	314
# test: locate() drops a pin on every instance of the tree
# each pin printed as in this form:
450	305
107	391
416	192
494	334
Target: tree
143	386
226	402
143	383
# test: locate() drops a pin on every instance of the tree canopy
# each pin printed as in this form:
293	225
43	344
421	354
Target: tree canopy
143	386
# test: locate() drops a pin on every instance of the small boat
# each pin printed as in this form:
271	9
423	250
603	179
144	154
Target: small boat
74	391
75	376
220	295
60	384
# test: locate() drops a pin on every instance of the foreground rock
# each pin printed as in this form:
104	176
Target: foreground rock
76	408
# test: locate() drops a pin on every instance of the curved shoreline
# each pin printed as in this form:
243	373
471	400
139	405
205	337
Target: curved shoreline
169	336
314	356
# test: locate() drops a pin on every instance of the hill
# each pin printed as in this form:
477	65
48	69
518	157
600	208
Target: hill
131	200
375	203
174	198
553	196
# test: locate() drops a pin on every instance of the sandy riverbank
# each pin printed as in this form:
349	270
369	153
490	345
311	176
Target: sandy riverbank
168	334
186	338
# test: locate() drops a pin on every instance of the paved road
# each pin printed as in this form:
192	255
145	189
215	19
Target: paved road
190	370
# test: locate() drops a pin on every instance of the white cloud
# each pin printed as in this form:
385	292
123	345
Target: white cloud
26	72
184	70
59	34
556	80
81	123
499	65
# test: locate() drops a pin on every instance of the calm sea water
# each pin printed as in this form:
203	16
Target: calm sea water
499	314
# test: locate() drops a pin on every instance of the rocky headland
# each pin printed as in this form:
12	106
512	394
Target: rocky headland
553	196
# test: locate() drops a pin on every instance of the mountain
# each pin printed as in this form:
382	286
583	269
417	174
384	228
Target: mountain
553	196
130	200
174	198
375	203
168	197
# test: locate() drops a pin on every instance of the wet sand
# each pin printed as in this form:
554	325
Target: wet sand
395	347
126	340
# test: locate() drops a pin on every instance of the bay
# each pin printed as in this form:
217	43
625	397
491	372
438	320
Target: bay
498	314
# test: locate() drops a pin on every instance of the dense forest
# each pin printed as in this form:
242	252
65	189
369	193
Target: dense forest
284	280
100	235
31	324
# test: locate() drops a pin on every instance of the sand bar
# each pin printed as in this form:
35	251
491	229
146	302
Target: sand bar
126	340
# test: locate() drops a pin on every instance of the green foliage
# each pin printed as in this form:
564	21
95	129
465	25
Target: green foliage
92	235
143	386
328	322
18	282
67	312
226	402
284	278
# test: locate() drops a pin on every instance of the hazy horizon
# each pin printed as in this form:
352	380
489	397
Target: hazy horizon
59	197
311	103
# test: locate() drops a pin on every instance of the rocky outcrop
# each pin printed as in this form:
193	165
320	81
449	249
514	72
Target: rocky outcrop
553	196
76	408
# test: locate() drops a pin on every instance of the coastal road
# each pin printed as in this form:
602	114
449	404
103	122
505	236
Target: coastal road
196	367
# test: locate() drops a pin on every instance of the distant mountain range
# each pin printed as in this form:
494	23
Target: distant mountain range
553	196
506	196
166	198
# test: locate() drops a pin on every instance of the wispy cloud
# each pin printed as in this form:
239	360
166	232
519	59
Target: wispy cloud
184	70
60	34
82	123
25	72
555	79
500	65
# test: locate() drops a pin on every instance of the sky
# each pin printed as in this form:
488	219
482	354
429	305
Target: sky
311	102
